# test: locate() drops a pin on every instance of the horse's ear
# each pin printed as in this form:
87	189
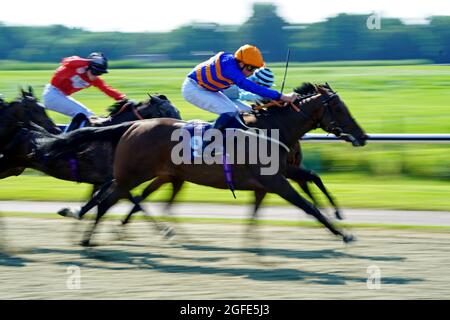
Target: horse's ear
320	89
329	87
31	91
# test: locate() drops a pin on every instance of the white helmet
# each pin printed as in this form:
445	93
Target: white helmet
264	77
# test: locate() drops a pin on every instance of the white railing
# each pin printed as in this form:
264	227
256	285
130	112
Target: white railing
375	137
384	138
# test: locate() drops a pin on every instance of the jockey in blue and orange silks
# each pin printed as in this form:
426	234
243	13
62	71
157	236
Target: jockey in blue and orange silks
204	84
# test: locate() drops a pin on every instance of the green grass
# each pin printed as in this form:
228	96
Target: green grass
351	190
384	99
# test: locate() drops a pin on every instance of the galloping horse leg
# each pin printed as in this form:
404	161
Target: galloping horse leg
278	184
177	184
305	187
301	176
106	202
166	231
259	196
152	187
98	197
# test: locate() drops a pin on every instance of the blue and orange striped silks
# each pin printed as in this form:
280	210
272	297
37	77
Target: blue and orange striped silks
209	74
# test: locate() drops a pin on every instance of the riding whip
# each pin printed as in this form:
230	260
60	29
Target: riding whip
285	70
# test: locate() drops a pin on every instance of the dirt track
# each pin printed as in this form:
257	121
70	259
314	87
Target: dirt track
212	261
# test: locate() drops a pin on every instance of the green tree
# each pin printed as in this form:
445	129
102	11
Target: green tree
265	29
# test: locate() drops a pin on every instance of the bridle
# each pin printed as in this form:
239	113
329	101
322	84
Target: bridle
124	107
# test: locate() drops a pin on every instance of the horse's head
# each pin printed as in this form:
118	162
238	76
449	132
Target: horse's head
161	107
28	109
334	116
157	106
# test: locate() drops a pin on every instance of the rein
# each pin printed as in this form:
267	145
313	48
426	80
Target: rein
136	113
124	107
326	102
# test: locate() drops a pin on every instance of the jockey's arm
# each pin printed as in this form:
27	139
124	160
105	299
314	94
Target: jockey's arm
248	96
108	90
75	62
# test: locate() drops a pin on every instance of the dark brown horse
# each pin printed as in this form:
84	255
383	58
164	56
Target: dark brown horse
24	109
25	144
144	152
124	110
295	172
27	109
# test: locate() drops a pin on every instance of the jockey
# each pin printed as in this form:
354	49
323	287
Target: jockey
204	84
262	76
73	75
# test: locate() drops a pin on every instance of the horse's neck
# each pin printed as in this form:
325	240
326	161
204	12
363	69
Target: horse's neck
292	124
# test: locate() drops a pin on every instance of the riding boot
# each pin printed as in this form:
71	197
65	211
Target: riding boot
224	120
77	122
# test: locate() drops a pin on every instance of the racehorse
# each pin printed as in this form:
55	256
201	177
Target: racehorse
144	152
27	109
24	144
122	111
157	106
294	172
24	109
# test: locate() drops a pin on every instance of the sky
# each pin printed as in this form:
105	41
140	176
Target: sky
166	15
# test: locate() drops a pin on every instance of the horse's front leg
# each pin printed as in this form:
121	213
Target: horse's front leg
279	184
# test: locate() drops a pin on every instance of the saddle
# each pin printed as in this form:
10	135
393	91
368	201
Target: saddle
81	121
197	130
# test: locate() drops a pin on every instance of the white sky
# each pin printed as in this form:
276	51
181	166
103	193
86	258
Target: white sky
165	15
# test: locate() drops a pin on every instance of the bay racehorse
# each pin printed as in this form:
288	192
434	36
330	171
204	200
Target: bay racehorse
295	172
144	152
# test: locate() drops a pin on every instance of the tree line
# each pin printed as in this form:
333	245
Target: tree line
343	37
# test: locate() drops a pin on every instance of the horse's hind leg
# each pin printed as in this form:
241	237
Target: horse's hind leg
105	203
97	198
259	197
302	176
305	187
177	184
152	187
167	231
278	184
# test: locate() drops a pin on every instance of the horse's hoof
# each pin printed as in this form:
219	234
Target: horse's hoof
67	212
338	215
347	238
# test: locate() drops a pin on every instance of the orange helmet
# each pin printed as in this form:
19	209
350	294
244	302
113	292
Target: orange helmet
250	55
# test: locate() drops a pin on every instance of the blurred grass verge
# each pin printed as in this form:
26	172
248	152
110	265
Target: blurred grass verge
352	190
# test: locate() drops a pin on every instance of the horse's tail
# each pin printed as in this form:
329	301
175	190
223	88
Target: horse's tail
69	142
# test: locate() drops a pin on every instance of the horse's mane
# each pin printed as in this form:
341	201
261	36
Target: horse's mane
155	100
305	90
116	107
